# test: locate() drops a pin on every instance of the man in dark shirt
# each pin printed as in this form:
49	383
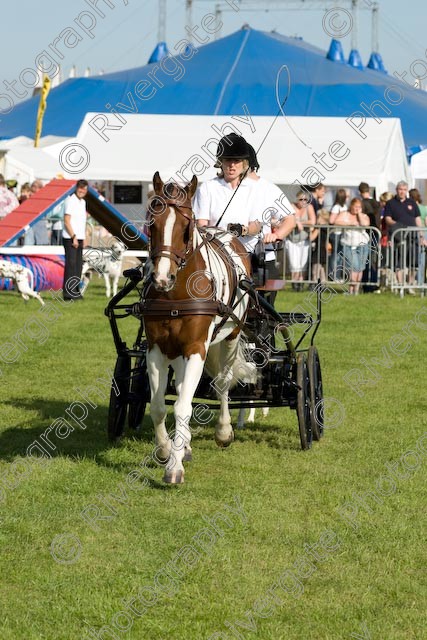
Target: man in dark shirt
317	196
372	209
402	212
370	206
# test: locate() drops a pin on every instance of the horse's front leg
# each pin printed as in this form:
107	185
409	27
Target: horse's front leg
157	369
179	369
188	372
224	434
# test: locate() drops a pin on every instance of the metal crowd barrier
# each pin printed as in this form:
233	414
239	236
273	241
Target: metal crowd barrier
325	258
406	261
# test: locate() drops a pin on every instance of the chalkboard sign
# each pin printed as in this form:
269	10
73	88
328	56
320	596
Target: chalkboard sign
128	193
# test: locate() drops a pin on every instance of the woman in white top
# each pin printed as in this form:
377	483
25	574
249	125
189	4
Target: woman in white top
228	199
335	262
355	243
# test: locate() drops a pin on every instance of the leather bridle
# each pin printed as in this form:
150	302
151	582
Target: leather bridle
167	251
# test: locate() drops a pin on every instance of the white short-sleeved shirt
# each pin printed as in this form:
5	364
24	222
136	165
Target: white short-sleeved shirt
271	204
213	196
76	208
338	208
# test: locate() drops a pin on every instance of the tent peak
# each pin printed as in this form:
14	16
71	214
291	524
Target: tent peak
335	52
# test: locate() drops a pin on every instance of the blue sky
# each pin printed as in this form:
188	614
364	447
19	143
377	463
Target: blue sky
127	34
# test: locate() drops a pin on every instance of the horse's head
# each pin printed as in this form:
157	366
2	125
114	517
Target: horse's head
171	229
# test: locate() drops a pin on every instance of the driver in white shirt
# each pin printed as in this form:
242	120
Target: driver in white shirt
228	198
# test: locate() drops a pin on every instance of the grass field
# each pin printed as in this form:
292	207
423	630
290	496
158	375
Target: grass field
262	541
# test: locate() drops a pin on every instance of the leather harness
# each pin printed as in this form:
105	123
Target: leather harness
192	306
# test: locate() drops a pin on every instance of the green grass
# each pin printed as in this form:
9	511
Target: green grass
374	578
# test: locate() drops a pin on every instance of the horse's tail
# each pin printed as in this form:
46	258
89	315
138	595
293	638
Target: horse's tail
243	370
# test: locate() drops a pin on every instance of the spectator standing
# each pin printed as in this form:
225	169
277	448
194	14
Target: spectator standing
317	197
37	234
372	209
74	233
8	200
355	243
370	206
400	213
298	243
56	218
338	207
421	273
25	192
320	250
385	243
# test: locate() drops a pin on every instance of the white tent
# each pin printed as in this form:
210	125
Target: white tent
20	160
301	149
419	165
26	164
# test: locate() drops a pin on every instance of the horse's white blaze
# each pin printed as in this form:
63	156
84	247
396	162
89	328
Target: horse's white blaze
164	265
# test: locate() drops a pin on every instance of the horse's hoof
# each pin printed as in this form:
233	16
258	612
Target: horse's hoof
188	455
174	477
224	443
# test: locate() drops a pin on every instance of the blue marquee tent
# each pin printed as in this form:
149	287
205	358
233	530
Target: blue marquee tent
222	76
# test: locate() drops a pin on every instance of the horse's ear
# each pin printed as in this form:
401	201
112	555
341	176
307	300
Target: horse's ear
158	184
191	187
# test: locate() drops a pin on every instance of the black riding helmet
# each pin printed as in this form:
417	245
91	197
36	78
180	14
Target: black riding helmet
232	146
253	160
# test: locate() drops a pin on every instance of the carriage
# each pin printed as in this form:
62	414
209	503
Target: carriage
290	373
202	315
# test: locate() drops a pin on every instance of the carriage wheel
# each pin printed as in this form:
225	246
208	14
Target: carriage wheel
139	394
303	402
118	403
316	392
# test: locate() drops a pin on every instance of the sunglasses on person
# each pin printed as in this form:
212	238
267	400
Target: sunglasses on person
302	200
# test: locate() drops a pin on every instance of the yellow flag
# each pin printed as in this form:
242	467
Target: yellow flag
42	108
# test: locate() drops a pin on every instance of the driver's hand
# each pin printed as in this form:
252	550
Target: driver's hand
270	237
237	228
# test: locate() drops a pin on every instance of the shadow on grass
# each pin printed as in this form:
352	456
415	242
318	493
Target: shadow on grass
92	442
67	436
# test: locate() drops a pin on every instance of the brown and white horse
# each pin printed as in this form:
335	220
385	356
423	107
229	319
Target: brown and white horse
192	283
